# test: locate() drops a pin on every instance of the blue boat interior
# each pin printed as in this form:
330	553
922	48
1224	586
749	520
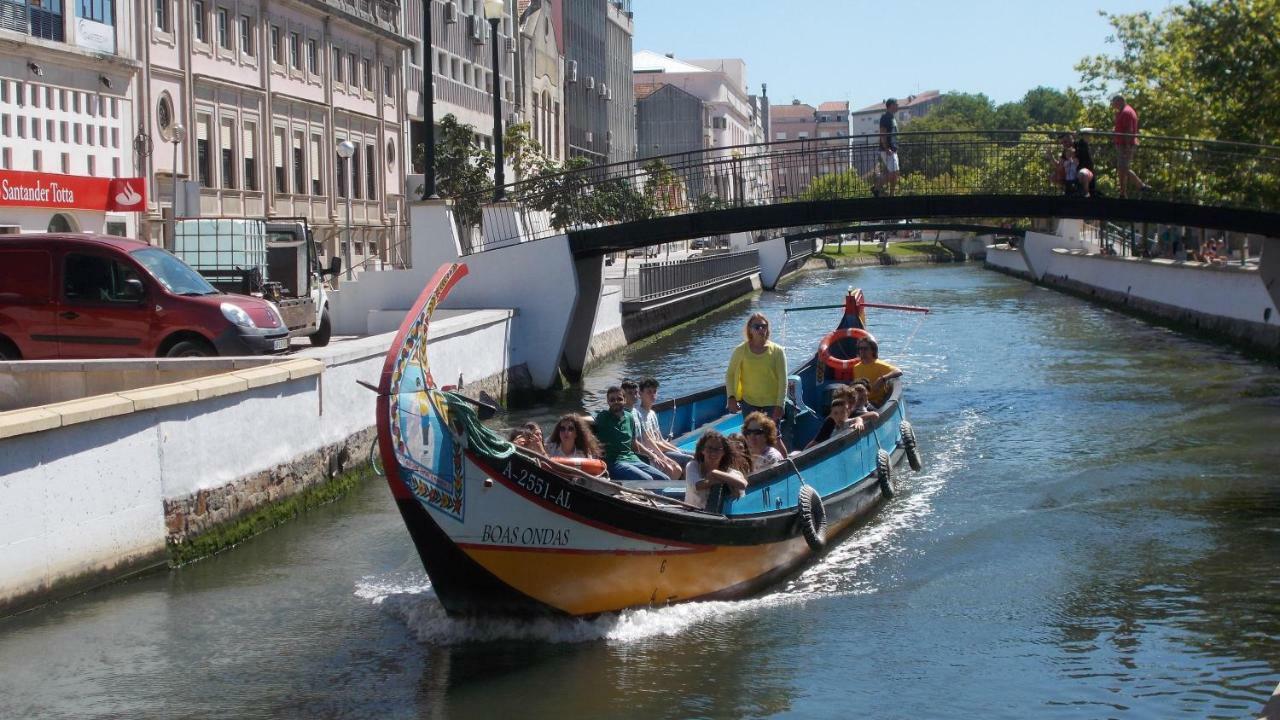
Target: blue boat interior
809	395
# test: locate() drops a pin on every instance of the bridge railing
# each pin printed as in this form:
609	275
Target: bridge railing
663	279
993	162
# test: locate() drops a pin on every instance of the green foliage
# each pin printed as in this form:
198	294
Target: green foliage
1209	68
463	169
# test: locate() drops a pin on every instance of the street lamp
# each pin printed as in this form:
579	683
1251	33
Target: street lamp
493	10
176	135
346	149
428	102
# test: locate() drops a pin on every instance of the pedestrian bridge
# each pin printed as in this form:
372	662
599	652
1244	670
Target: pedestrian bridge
821	182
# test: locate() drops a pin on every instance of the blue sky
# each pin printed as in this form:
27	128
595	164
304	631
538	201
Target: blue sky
865	51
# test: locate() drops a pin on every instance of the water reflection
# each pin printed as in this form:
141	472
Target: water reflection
1095	535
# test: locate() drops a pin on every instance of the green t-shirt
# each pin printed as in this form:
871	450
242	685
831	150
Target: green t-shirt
617	435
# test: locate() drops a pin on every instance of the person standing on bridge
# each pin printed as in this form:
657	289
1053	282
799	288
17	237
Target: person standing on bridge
1126	140
888	148
1085	176
757	374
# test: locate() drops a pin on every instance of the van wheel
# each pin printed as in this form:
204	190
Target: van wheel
320	337
190	348
8	351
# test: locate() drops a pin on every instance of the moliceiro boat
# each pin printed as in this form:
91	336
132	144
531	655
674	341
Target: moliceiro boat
505	531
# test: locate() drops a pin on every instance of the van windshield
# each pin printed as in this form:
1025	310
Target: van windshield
176	276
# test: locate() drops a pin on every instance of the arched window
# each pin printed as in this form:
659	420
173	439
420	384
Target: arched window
63	223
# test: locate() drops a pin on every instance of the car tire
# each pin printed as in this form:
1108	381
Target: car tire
190	348
321	336
8	351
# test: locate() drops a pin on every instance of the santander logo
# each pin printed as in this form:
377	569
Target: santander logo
128	197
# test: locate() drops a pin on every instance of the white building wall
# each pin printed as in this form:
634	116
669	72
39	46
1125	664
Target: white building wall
67	108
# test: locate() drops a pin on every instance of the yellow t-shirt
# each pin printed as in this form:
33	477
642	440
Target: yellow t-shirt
871	372
757	379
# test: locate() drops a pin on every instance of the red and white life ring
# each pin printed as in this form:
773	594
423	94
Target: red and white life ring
590	466
842	367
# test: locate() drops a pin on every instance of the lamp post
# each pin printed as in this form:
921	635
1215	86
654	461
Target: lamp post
493	10
428	101
176	135
346	149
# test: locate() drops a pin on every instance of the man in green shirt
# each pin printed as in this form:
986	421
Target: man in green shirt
616	429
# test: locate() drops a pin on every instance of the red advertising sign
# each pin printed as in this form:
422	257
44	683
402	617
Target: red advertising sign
47	190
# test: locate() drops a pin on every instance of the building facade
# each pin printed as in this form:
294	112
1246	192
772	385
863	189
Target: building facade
540	76
599	107
462	63
263	93
68	118
866	121
724	119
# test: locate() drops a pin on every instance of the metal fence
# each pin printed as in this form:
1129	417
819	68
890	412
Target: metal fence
1007	163
663	279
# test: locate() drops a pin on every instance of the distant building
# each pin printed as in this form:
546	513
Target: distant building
867	120
825	131
700	105
599	108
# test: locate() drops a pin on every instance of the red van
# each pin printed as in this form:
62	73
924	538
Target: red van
98	296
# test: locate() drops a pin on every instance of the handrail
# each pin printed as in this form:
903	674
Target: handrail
949	163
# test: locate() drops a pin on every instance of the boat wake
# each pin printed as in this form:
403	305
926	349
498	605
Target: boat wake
842	571
412	601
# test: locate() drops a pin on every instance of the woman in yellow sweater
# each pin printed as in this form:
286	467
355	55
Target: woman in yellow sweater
757	375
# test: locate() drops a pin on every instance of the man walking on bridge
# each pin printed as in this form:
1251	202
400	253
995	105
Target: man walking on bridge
1126	141
888	148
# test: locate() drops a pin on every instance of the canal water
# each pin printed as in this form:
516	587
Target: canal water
1096	534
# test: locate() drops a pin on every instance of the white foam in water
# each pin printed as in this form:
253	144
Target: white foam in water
411	599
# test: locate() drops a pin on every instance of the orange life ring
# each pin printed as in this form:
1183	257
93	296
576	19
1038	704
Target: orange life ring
843	368
590	466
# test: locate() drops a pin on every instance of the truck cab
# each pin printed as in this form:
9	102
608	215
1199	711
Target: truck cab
275	260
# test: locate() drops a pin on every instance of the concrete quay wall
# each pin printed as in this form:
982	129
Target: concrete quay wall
97	488
1223	301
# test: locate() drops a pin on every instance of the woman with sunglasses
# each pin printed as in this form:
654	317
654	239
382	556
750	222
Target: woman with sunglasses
573	439
714	461
762	437
757	374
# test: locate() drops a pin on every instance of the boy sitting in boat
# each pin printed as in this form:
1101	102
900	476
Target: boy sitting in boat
714	461
650	429
859	398
649	449
874	370
838	420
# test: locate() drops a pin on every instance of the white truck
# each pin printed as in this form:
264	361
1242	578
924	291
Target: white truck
273	259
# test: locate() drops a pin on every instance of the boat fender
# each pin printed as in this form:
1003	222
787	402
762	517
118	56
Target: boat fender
910	445
590	466
843	367
813	517
884	473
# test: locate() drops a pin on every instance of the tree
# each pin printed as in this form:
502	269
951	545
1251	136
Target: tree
464	170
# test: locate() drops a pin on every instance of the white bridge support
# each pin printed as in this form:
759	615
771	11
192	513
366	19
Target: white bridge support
535	280
773	260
